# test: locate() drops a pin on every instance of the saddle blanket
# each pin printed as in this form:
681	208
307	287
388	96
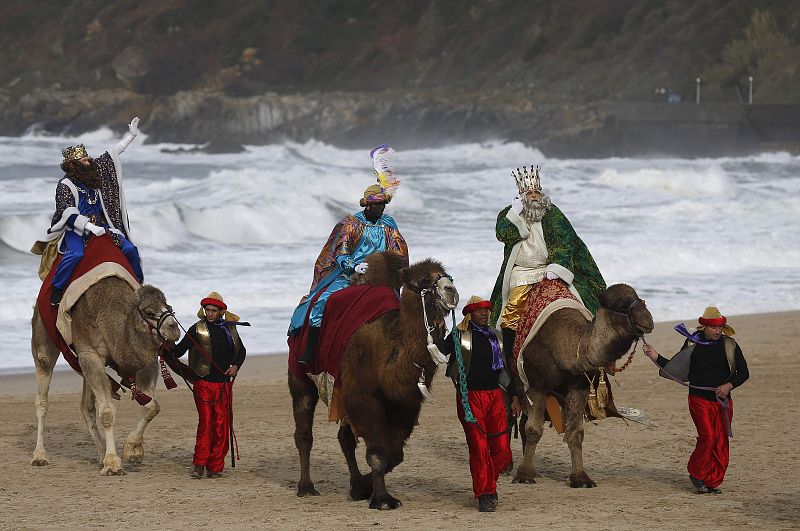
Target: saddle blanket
101	259
346	311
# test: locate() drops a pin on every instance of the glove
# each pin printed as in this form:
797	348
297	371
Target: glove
133	127
516	205
361	268
550	275
94	229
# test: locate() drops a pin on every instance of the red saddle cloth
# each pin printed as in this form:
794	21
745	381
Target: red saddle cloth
345	312
541	295
98	250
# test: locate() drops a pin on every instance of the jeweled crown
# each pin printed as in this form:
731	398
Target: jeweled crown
527	181
74	152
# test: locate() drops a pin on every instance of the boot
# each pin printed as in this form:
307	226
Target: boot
55	296
312	340
486	503
509	335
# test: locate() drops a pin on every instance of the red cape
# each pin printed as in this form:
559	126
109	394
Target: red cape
346	311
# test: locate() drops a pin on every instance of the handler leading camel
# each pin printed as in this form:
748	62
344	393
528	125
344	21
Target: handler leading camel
216	354
713	364
485	372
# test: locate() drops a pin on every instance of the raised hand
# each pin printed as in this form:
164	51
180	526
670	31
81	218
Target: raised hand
133	127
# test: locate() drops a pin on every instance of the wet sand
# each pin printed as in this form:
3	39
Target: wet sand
640	470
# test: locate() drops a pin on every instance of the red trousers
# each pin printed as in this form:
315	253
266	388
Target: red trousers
709	461
213	401
488	456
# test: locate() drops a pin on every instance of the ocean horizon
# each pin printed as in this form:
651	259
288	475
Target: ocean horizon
685	233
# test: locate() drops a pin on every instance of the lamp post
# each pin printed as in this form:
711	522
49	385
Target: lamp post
750	91
697	96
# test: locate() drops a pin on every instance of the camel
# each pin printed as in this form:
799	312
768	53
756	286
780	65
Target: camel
381	367
111	323
567	349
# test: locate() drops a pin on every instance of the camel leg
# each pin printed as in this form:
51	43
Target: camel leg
89	412
360	484
384	447
304	402
146	380
573	435
45	355
534	428
92	366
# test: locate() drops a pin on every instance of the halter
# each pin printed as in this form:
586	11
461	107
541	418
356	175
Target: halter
611	368
626	313
160	318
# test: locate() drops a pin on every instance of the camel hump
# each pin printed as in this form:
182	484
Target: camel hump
384	269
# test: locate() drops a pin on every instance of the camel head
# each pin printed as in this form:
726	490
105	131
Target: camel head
626	310
157	314
430	276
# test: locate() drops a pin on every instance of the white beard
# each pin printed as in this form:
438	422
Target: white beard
534	210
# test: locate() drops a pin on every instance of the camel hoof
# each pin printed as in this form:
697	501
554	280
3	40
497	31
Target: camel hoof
306	490
384	503
39	461
361	488
577	481
133	453
108	471
525	476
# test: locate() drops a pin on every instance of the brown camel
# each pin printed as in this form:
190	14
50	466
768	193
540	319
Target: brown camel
567	349
381	367
111	323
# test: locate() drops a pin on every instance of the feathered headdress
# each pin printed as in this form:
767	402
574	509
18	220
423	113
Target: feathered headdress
383	169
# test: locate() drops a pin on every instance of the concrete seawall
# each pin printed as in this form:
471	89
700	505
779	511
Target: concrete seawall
683	129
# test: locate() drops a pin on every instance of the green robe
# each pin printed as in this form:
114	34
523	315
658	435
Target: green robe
564	248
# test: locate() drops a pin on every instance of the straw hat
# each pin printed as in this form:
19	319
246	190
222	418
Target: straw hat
215	299
712	317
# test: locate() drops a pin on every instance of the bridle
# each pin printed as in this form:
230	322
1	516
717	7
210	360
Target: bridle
159	321
626	313
639	335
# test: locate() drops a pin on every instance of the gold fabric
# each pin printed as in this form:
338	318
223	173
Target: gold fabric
49	253
517	297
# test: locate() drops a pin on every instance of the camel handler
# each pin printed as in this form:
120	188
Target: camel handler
713	364
352	239
539	242
90	202
216	354
487	380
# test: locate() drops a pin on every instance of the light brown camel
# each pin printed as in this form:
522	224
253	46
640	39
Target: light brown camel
566	350
380	369
111	323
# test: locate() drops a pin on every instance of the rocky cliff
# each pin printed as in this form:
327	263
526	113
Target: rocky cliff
418	72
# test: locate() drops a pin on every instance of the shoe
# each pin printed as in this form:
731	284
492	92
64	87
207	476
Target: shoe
312	340
213	475
485	503
699	486
197	473
494	499
712	490
55	296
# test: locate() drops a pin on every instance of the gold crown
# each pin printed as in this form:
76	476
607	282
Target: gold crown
527	181
74	152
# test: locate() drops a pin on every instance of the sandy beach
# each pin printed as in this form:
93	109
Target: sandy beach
640	470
